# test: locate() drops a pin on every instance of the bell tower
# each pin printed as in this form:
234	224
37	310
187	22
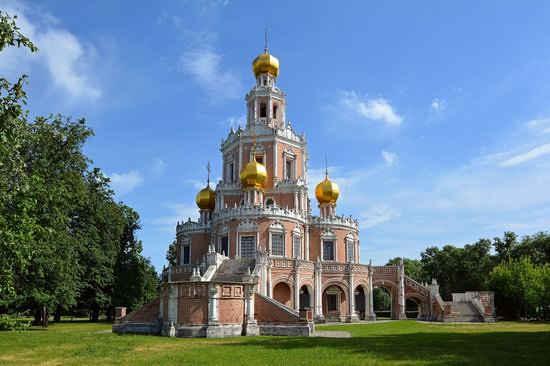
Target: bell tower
266	104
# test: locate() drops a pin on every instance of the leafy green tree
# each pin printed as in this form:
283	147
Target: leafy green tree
16	225
517	288
413	268
171	254
135	278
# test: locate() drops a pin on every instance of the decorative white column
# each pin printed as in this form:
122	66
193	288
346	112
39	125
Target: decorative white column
318	313
371	315
275	162
401	292
213	305
306	254
252	328
352	317
297	284
269	294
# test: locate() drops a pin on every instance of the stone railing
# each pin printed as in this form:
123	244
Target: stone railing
347	222
385	270
229	186
247	211
416	286
192	226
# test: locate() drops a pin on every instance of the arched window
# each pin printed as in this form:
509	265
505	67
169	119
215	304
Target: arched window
263	110
275	111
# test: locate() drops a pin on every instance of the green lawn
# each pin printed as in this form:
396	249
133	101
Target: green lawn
403	343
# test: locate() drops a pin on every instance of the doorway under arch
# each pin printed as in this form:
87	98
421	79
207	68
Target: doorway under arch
360	301
283	294
335	303
382	302
305	297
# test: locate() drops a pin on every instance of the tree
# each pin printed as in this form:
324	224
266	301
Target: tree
517	287
171	254
16	225
135	278
413	268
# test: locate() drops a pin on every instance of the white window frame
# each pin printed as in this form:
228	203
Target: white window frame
328	235
277	228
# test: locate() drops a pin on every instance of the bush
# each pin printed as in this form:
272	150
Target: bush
13	322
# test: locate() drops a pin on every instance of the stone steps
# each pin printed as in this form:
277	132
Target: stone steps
234	270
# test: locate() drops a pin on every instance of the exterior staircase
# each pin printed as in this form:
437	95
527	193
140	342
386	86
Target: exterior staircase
234	270
463	312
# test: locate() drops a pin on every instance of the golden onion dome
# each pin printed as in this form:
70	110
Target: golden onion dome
327	191
253	174
265	63
206	198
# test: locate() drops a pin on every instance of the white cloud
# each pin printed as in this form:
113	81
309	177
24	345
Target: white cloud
158	167
68	59
377	215
204	64
374	109
196	183
389	157
235	122
125	182
535	153
438	105
179	212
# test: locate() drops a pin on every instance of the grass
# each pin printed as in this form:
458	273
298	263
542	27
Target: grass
391	343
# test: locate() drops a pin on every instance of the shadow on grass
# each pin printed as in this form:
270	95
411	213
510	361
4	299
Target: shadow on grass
503	348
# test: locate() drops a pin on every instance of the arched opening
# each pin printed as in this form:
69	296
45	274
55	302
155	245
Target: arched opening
275	111
360	302
263	110
335	303
282	294
382	303
412	309
305	297
269	202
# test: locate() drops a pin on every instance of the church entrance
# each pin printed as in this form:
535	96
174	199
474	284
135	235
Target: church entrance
334	303
360	303
305	297
282	294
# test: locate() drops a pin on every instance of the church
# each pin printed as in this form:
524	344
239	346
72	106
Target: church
264	260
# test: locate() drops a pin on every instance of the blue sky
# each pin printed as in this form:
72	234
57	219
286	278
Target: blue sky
435	115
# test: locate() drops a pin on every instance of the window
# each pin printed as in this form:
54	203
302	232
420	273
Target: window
275	111
297	246
224	245
269	202
248	246
277	245
186	254
349	251
263	110
328	250
332	302
230	172
289	169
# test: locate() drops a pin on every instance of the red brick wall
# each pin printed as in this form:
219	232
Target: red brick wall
192	311
147	313
268	313
231	311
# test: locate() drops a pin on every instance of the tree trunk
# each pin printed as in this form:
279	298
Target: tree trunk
45	317
95	314
110	312
37	316
57	315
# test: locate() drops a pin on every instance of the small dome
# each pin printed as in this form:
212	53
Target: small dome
253	174
327	191
206	198
265	63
